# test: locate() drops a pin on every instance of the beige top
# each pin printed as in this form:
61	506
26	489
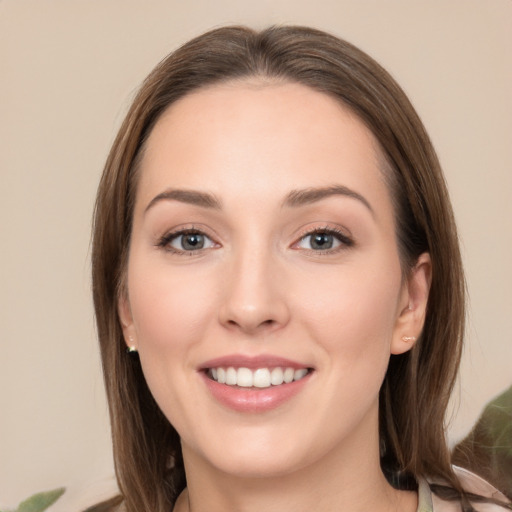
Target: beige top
429	502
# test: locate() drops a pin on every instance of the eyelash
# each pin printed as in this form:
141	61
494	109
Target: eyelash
345	241
165	241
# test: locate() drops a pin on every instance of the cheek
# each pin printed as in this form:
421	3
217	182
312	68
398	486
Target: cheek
170	310
169	307
352	312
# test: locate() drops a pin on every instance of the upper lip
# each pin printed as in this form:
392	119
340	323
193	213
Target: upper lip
252	362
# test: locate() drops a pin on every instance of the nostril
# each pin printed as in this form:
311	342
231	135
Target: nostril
253	315
252	326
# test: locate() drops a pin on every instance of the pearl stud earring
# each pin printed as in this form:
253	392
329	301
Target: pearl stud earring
132	349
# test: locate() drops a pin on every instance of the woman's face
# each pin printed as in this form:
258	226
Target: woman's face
263	250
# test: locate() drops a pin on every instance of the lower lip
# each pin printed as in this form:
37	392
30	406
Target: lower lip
254	399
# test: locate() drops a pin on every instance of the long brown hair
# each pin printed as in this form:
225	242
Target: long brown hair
418	384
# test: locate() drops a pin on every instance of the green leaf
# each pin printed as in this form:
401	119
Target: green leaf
40	501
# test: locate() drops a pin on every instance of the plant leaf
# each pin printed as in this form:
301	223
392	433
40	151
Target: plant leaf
40	501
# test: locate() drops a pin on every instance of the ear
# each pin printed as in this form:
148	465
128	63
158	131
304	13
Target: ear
412	306
126	319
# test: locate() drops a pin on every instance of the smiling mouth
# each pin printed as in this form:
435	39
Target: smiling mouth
259	378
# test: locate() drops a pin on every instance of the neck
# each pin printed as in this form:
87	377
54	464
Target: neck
347	478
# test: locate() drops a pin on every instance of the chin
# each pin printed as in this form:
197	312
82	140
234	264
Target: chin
246	453
267	465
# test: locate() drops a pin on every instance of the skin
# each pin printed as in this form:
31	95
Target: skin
259	287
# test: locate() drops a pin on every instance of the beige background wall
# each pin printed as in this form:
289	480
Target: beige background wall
68	70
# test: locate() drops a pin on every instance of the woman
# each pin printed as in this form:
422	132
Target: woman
274	244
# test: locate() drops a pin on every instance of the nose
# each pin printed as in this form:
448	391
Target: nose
254	299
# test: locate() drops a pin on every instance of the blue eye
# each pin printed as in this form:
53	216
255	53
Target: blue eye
324	240
320	241
186	241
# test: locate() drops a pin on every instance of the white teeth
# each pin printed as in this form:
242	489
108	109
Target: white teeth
231	377
276	377
288	375
260	378
299	374
244	377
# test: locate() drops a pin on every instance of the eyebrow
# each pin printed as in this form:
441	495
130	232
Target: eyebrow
294	199
306	196
187	196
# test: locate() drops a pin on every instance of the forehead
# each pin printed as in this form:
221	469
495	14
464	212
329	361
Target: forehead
256	138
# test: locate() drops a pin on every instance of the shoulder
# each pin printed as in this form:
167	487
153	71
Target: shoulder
477	485
472	484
